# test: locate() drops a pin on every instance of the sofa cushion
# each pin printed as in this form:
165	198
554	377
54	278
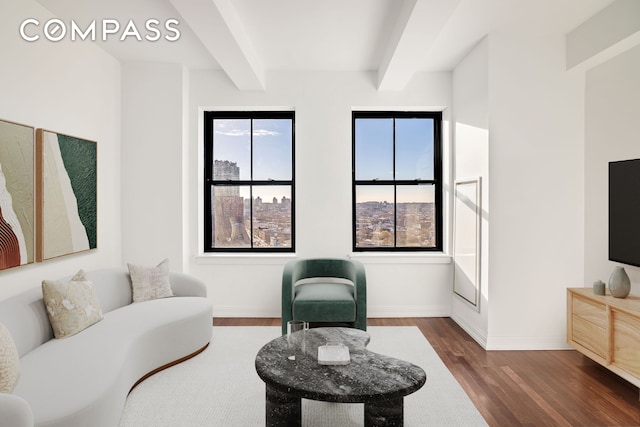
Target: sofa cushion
9	361
317	302
150	283
25	316
72	306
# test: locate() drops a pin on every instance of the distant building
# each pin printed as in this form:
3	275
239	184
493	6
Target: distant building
228	227
225	170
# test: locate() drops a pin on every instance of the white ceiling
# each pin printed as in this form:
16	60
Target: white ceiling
247	38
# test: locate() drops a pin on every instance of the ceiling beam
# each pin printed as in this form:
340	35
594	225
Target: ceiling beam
417	27
605	35
218	26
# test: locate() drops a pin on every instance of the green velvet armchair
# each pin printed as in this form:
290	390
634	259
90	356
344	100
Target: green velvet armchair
324	290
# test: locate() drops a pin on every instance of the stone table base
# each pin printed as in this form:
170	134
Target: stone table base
388	413
292	373
285	410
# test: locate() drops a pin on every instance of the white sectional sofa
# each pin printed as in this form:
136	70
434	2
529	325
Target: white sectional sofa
83	380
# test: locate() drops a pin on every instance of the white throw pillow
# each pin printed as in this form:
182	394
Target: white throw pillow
150	283
71	306
9	361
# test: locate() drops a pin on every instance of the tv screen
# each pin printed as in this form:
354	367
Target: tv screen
624	212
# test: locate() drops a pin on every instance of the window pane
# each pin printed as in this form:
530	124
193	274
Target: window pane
230	216
249	179
374	216
272	216
232	149
272	140
374	149
415	216
414	149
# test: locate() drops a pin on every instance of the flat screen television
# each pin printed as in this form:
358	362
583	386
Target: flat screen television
624	212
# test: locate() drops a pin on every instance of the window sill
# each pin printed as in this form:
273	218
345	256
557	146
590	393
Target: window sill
365	258
244	258
401	258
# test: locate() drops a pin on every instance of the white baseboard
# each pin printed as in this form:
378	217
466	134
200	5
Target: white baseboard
386	311
527	343
474	332
409	311
511	343
239	311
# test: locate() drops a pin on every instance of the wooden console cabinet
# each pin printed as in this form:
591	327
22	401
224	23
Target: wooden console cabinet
606	329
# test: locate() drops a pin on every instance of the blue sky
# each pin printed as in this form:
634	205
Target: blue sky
374	157
271	146
374	148
271	152
374	154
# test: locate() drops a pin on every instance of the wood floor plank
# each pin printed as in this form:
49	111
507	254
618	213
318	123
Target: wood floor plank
519	388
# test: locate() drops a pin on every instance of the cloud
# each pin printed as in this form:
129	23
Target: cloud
245	132
265	132
231	128
240	128
232	132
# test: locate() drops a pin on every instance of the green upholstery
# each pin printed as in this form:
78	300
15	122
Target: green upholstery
314	302
332	300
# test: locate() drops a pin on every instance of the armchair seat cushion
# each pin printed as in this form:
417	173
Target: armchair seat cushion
324	290
321	302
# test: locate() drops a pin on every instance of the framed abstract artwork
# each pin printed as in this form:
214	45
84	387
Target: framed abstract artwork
17	211
66	194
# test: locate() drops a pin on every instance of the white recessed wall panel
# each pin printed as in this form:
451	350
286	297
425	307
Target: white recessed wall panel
471	160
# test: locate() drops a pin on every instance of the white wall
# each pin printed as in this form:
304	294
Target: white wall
71	88
536	164
323	101
152	137
612	115
519	124
471	160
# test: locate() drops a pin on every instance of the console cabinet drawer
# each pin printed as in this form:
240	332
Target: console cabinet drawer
626	342
590	311
590	335
606	329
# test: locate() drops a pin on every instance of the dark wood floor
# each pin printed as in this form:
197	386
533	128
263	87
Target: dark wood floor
520	388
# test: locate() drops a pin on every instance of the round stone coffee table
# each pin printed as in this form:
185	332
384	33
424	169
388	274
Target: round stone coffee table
292	374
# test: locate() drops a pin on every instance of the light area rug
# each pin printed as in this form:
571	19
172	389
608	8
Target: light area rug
220	387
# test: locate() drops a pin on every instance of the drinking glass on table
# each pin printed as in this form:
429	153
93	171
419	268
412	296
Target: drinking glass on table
296	334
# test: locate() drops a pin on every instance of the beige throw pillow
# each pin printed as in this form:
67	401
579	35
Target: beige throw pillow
72	306
9	361
150	283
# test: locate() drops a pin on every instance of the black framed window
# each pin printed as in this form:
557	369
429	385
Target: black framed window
249	181
397	181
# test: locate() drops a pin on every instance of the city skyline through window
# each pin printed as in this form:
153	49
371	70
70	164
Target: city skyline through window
249	169
396	181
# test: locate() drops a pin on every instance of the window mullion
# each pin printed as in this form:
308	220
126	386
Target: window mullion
251	215
251	219
395	191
